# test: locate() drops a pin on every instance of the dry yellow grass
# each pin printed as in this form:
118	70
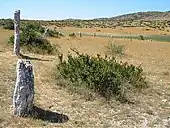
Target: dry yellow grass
151	109
118	30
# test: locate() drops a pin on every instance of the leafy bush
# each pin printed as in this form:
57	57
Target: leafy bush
105	76
33	26
72	35
115	49
53	33
141	37
31	40
8	24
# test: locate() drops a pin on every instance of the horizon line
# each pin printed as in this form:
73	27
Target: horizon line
72	18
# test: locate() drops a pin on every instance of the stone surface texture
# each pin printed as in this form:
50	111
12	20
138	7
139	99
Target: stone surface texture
24	89
16	32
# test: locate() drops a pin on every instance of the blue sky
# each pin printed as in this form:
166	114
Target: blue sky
85	9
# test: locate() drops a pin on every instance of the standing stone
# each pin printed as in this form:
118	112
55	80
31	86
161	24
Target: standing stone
16	32
80	34
94	35
24	89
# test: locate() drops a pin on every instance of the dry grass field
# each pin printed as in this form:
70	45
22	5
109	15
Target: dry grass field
119	30
151	107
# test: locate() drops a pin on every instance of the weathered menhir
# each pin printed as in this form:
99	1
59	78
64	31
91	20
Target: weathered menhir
16	32
24	89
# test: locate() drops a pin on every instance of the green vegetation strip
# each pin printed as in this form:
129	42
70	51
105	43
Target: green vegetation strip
160	38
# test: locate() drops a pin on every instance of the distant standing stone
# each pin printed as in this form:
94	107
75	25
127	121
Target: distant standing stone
94	34
17	32
24	89
80	34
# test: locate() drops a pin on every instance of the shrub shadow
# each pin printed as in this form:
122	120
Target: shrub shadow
47	115
31	58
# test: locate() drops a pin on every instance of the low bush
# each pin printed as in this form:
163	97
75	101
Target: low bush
115	49
72	35
141	37
106	76
32	40
53	33
8	24
33	26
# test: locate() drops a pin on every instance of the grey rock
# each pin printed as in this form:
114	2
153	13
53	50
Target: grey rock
16	32
24	89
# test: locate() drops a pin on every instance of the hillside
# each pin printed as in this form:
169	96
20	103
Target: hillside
152	19
150	15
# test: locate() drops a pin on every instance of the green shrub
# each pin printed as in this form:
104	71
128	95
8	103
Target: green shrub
11	40
8	24
53	33
72	35
141	37
32	40
115	49
104	76
33	26
36	45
